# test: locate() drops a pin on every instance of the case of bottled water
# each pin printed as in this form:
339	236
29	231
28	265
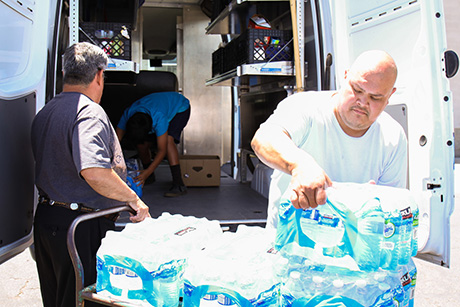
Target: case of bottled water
306	282
144	264
374	226
240	270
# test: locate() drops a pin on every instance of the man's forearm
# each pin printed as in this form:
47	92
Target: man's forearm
107	183
309	181
276	149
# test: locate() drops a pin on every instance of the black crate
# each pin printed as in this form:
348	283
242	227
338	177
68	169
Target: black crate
108	36
258	46
218	62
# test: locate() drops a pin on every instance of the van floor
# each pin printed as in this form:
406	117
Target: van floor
231	203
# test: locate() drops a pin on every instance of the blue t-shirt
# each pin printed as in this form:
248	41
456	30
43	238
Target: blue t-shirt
161	107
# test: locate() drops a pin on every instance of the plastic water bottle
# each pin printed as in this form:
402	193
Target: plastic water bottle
294	285
414	241
390	291
280	269
413	276
320	284
170	290
406	236
362	291
406	283
338	287
391	240
370	236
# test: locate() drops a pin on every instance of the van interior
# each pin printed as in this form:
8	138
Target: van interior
178	46
174	46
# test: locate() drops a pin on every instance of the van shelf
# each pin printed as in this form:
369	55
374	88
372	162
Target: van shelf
222	23
284	68
122	65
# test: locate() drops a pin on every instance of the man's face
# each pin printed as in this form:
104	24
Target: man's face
362	100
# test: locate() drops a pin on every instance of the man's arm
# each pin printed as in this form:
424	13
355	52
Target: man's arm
120	133
274	147
107	183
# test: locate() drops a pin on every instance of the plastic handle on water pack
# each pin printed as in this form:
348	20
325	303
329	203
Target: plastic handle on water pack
135	266
326	301
290	230
350	224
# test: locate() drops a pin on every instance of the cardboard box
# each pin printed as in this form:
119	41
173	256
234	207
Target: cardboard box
200	171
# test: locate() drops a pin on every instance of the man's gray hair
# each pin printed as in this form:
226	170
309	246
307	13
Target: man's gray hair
81	62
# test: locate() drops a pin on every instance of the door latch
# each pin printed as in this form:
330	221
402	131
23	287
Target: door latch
432	186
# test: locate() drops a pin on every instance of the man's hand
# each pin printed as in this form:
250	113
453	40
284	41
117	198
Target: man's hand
107	183
142	177
142	210
275	148
309	186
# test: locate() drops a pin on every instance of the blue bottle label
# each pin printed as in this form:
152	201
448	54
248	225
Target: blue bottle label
389	229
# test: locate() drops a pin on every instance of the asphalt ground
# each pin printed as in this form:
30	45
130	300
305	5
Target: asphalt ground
436	286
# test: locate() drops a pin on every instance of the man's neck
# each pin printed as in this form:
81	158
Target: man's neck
85	90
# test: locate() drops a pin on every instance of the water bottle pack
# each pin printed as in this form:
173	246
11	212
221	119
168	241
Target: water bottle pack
133	168
239	270
356	248
308	283
146	261
375	225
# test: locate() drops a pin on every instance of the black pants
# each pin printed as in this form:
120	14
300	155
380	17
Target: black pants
55	269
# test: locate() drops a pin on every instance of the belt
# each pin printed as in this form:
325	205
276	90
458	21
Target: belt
75	207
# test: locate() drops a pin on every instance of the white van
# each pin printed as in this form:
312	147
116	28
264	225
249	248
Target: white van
175	45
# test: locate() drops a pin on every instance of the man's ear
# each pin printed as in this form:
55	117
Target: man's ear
100	77
392	92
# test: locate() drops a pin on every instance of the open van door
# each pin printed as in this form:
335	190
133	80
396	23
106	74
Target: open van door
23	60
413	32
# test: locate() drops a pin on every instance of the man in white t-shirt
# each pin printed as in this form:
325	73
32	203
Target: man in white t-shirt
315	138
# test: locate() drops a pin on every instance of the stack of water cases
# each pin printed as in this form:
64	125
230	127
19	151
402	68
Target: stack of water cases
356	249
144	264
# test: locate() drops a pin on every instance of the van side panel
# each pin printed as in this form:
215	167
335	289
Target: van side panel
25	29
17	180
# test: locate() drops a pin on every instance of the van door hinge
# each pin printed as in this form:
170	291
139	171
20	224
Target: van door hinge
432	186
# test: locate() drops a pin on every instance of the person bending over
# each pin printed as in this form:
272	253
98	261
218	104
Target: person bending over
165	115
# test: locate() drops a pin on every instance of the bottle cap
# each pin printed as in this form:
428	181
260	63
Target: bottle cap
338	283
294	275
361	283
317	279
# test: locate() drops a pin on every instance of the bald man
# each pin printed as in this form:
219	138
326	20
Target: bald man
315	138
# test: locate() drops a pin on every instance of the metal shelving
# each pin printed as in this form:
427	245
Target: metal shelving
224	24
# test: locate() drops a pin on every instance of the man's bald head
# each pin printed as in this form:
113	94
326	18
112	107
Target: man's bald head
366	92
375	62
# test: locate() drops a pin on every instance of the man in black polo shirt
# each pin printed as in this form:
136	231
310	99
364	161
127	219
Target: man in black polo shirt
79	168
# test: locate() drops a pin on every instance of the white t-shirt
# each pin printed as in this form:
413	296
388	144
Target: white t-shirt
379	155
